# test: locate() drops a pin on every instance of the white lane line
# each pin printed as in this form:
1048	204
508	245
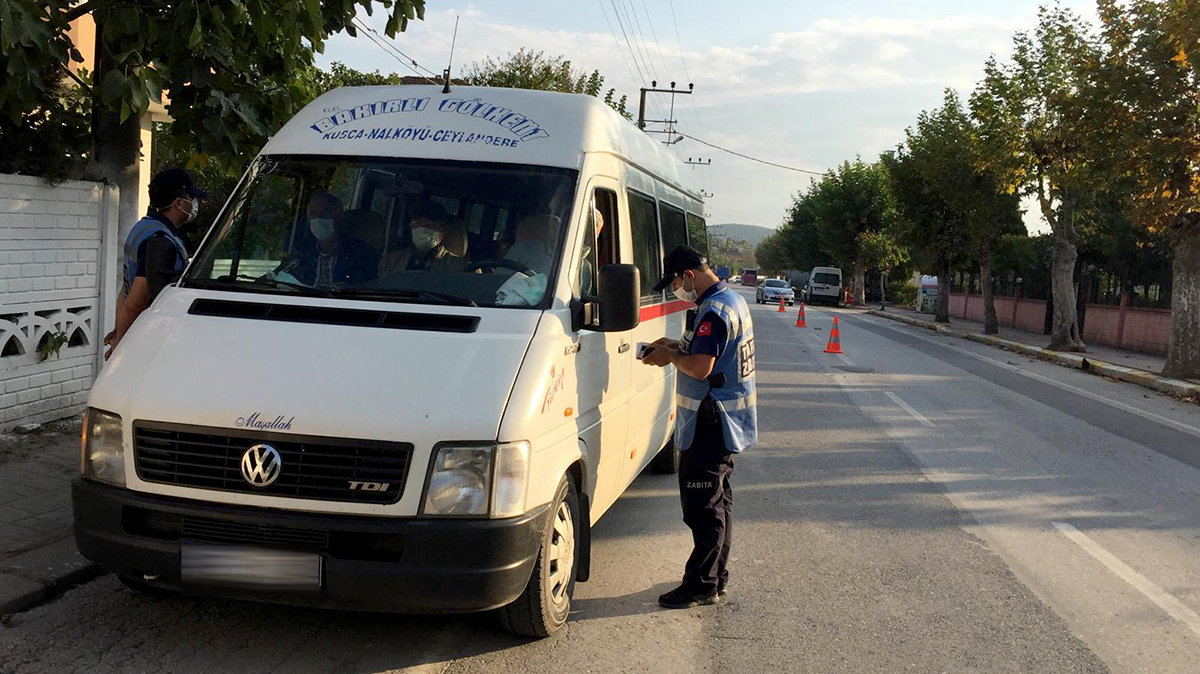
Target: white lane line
846	360
1166	421
908	408
1175	608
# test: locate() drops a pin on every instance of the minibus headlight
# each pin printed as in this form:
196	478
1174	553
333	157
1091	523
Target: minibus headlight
103	458
512	479
459	481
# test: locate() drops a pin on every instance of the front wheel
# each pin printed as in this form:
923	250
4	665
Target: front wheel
543	607
666	462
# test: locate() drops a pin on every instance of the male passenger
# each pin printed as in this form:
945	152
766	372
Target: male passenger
429	251
716	417
331	257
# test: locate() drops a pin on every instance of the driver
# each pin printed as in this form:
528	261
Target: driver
428	251
331	256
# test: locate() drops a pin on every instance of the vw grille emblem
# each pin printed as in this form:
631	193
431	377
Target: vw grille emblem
261	466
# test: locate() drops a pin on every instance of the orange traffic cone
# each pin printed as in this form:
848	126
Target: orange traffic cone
800	319
782	308
835	339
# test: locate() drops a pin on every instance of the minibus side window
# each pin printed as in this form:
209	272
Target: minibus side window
674	227
599	247
643	218
697	233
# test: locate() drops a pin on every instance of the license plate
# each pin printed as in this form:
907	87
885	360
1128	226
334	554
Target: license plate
206	565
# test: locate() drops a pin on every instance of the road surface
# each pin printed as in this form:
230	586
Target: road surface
921	503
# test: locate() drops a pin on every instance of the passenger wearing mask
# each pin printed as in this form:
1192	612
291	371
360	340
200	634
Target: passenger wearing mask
174	200
331	257
436	243
531	247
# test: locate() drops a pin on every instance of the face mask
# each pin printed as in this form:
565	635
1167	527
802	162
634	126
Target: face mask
426	238
322	228
686	295
193	210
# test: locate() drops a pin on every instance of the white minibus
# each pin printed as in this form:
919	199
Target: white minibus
399	372
824	286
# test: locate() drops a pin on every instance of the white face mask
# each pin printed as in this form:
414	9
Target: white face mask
195	210
426	238
686	295
322	228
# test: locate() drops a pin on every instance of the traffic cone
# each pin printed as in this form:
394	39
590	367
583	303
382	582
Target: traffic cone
782	308
800	319
835	339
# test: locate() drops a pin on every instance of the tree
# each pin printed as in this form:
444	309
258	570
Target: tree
771	256
881	251
51	136
1036	125
1151	73
850	200
800	237
527	69
226	66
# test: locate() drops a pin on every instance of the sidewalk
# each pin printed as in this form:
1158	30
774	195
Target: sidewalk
1131	366
37	551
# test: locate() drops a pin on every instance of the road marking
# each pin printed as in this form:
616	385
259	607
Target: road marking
1175	608
908	408
1177	425
846	360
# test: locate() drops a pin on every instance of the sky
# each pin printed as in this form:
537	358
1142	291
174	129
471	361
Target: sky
794	82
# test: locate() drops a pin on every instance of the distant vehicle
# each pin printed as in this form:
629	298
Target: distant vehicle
749	277
824	286
770	290
799	281
724	273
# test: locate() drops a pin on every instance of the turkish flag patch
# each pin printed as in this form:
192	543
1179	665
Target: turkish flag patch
704	330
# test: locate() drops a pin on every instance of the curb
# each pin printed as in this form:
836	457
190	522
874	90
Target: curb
1150	380
41	574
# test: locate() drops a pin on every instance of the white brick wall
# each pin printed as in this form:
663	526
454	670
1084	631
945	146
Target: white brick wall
55	240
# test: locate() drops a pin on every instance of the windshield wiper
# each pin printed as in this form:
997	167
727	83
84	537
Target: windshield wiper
280	283
368	294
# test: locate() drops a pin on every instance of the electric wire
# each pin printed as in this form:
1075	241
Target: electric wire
683	59
657	44
374	40
388	43
746	156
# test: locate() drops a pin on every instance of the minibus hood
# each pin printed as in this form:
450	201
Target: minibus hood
420	386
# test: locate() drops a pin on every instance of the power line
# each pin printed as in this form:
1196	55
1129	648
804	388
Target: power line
632	51
657	44
746	156
616	40
387	42
389	52
683	59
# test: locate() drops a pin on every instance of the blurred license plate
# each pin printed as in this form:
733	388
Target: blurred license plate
251	568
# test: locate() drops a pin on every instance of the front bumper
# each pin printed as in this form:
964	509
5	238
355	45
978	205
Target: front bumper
411	565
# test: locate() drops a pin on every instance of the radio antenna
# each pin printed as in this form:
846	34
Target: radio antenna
450	63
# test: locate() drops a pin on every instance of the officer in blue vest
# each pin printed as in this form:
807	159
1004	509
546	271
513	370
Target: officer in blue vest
174	200
715	419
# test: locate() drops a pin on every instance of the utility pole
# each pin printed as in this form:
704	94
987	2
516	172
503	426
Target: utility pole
642	121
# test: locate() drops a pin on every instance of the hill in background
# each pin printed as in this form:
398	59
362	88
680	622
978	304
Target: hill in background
752	234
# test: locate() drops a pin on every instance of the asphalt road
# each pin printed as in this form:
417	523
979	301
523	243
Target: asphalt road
920	504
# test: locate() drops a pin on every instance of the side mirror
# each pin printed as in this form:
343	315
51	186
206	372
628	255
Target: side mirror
620	297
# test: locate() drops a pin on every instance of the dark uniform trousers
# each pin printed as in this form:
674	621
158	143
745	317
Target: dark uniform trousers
707	496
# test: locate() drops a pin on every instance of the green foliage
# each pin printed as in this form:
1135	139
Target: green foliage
726	251
51	343
528	69
771	255
850	200
226	65
51	136
881	251
904	294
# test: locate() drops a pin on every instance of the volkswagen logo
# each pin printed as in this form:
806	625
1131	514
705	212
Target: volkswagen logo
261	466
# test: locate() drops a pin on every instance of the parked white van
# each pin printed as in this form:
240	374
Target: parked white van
399	372
824	286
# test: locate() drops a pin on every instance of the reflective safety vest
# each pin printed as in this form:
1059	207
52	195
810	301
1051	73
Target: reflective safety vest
145	228
731	384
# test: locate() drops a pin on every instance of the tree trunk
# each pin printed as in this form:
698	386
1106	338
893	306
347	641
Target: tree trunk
117	144
860	283
1064	333
941	313
990	325
1183	353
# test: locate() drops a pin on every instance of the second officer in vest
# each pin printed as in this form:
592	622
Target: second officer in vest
174	200
716	416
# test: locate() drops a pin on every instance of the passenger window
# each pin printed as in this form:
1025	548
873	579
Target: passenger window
674	227
697	233
646	252
589	265
599	244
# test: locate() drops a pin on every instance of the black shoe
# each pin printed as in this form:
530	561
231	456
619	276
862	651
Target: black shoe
722	589
684	597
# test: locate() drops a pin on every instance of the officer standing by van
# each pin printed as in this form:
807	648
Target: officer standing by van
716	416
174	200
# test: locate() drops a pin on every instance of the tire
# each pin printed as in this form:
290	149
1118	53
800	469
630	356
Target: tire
146	588
543	607
666	462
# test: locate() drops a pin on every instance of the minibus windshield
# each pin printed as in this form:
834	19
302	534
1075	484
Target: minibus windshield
403	230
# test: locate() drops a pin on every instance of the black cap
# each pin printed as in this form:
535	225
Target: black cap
676	262
171	184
